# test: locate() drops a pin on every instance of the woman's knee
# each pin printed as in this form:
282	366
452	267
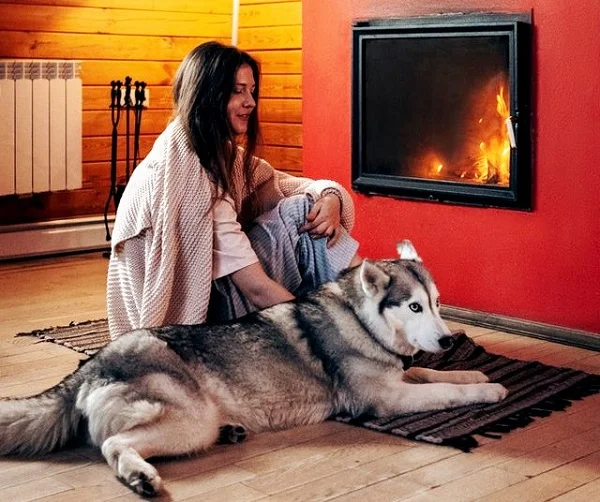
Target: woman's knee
295	207
289	214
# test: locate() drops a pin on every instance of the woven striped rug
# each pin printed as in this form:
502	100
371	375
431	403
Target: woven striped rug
536	389
87	337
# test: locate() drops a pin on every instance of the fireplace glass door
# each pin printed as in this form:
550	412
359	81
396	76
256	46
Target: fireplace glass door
441	109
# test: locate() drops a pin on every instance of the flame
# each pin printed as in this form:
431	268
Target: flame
435	164
493	163
486	150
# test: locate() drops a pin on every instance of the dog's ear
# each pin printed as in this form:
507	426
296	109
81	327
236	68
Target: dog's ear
406	251
373	280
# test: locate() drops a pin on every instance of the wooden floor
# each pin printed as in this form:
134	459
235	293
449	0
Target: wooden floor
556	458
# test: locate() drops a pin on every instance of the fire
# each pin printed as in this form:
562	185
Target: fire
493	163
436	165
485	155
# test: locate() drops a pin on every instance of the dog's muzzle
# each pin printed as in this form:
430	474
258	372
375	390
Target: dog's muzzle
446	342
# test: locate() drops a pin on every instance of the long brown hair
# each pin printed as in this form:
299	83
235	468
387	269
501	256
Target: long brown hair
202	87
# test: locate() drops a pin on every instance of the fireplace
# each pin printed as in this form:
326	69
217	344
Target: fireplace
441	109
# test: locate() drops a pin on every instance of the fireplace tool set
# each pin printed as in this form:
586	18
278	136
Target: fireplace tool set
121	100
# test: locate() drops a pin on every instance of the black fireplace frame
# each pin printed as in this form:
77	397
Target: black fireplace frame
518	29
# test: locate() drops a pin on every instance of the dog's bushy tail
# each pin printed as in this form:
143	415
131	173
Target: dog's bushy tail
39	424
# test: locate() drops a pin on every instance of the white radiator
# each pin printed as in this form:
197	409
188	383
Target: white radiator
40	134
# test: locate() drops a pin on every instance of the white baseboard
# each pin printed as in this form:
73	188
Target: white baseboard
53	237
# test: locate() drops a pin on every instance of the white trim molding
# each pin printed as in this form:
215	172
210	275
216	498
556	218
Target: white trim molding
54	237
235	22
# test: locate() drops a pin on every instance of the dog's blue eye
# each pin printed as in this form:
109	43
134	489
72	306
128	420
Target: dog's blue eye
415	307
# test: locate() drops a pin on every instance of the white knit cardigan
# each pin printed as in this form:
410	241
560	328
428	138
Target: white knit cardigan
160	269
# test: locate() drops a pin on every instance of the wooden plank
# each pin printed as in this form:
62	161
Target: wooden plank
33	489
543	487
154	73
270	14
309	475
181	488
288	159
203	7
98	173
584	469
555	455
581	494
254	2
98	122
279	61
113	22
98	98
53	205
280	110
97	148
236	491
101	72
472	486
276	37
20	44
281	86
275	134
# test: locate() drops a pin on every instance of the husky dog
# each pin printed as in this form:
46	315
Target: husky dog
169	390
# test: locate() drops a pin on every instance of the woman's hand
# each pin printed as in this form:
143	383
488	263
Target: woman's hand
324	219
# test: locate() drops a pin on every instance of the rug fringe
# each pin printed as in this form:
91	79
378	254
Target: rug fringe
72	324
523	418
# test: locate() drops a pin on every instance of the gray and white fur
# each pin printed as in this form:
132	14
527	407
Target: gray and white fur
169	390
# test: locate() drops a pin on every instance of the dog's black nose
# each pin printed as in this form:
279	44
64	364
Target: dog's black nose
446	342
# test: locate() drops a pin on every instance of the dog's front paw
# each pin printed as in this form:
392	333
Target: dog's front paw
145	485
473	377
495	392
143	479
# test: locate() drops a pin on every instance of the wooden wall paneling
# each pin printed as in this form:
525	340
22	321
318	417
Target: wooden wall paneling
288	159
278	134
282	86
95	122
272	32
37	45
147	40
270	14
281	110
95	72
255	2
94	147
113	39
207	7
276	37
97	97
59	19
287	61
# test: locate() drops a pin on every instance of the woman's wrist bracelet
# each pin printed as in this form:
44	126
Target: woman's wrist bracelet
333	191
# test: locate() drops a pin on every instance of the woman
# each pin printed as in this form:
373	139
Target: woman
202	214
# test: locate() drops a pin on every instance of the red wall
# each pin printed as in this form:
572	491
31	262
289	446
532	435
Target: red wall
541	266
